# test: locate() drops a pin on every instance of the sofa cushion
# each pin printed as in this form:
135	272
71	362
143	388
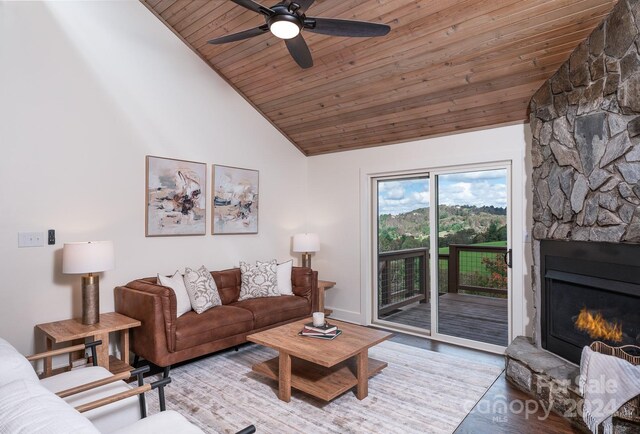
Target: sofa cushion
272	310
107	418
164	422
216	323
26	408
13	365
228	283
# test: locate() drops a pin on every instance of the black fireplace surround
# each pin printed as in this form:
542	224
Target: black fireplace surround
604	278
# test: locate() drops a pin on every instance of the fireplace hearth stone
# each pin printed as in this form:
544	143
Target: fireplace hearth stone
553	381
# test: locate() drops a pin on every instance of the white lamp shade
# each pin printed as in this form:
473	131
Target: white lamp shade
87	257
306	243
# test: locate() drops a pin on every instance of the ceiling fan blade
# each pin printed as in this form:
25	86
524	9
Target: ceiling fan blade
240	35
299	51
253	6
333	27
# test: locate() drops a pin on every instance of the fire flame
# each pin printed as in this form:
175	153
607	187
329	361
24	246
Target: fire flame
598	327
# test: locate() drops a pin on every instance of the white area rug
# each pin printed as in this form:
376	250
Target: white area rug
419	392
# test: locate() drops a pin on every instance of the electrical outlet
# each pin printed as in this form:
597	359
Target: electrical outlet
51	240
30	239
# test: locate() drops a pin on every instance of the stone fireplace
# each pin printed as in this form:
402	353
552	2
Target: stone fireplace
586	143
585	123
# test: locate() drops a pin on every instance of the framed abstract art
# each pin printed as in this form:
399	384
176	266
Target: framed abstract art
235	200
176	197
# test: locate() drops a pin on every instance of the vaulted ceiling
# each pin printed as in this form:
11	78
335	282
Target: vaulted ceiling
446	66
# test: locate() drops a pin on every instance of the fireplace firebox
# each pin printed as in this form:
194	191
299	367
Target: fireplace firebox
590	292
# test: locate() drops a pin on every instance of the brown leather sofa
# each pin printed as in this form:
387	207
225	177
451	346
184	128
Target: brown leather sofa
165	340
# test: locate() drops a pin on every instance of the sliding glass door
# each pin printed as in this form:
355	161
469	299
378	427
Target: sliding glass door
442	254
471	286
403	235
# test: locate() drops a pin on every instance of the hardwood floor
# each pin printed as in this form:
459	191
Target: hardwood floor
474	317
500	411
506	410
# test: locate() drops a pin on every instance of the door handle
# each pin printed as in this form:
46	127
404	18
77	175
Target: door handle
508	259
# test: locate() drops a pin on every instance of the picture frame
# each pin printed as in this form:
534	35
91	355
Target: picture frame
234	197
176	197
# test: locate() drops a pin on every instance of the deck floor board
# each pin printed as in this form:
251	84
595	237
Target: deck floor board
483	319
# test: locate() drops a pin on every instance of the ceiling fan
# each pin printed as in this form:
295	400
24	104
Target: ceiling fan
287	19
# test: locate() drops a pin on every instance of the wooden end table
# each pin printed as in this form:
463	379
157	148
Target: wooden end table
324	369
323	285
72	329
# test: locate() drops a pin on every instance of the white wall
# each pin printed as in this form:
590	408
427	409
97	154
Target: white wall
338	190
87	89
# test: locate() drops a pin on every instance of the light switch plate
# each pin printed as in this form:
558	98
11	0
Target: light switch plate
31	239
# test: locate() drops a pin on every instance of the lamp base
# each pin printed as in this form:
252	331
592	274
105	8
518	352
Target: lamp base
306	260
90	299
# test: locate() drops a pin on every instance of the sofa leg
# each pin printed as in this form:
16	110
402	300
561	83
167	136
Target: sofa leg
136	360
236	348
166	371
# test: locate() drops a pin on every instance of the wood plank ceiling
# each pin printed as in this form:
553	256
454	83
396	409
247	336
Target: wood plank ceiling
446	65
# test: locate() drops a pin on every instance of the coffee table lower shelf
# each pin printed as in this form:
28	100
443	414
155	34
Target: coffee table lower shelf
319	381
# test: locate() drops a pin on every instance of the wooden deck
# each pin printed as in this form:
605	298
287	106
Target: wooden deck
483	319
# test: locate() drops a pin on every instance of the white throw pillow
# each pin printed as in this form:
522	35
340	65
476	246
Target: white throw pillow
202	289
284	278
176	282
260	280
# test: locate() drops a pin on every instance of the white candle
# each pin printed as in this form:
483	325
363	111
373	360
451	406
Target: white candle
318	319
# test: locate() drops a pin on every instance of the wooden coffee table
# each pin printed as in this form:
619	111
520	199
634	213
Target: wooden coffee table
322	368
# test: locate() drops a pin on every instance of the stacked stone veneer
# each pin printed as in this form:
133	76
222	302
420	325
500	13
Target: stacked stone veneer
586	138
586	141
585	122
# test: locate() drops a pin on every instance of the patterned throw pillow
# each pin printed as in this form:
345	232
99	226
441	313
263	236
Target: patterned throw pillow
260	280
202	289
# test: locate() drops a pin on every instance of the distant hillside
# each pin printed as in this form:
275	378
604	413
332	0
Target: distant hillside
457	224
414	222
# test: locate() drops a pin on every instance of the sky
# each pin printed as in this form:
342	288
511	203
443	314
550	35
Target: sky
479	188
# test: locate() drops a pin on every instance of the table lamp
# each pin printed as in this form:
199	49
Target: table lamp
88	258
307	244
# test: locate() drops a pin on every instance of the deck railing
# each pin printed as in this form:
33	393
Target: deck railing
475	269
403	275
403	278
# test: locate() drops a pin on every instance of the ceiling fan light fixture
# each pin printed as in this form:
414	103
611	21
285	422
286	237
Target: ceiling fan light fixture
286	20
284	26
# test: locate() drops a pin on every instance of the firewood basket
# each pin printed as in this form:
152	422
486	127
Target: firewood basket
625	352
